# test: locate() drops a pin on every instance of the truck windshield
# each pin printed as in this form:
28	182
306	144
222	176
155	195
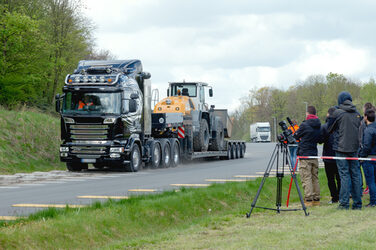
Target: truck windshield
263	129
92	103
184	89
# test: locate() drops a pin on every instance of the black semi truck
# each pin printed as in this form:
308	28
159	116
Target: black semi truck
107	121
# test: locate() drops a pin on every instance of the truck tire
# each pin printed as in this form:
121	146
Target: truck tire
218	142
201	142
237	151
135	160
156	155
166	154
228	156
175	153
76	167
241	146
232	152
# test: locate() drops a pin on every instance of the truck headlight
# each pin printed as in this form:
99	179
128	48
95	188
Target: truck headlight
117	150
64	149
114	155
109	120
68	120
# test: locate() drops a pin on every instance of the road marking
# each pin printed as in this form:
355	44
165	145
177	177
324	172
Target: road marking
142	190
52	182
72	179
101	197
30	184
10	187
226	180
190	185
48	205
248	176
10	218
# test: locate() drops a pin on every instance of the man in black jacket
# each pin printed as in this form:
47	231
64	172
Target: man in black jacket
345	127
331	169
309	134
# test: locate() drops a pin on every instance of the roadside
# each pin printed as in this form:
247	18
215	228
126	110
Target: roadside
212	217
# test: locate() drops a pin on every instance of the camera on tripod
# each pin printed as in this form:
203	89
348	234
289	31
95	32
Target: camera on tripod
286	135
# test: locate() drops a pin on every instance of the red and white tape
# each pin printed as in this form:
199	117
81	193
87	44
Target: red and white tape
181	132
337	158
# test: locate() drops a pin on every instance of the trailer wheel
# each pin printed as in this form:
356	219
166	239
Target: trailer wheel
166	154
201	142
232	153
135	160
218	141
76	167
156	155
228	156
175	154
242	150
237	151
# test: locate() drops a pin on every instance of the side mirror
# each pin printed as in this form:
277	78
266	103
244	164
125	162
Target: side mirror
134	96
211	92
168	92
146	75
57	103
132	106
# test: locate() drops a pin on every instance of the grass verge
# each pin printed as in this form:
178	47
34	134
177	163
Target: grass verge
215	215
29	141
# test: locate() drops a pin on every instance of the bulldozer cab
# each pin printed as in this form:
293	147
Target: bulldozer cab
194	90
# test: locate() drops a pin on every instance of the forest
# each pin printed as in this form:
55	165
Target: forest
41	41
267	104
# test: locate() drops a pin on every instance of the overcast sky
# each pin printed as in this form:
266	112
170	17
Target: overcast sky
239	45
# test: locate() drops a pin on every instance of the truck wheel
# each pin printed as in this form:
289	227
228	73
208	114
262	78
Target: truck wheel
135	160
76	167
156	155
232	153
201	142
175	154
237	151
166	154
218	141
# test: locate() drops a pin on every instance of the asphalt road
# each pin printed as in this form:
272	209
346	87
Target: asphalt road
100	183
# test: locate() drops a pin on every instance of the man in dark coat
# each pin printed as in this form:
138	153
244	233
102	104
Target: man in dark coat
369	150
345	127
331	169
309	134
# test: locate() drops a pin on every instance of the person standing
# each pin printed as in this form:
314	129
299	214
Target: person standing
362	127
369	150
331	169
345	127
309	134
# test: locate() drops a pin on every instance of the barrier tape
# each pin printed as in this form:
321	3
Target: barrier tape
337	158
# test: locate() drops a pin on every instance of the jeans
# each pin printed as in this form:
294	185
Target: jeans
349	171
369	172
293	150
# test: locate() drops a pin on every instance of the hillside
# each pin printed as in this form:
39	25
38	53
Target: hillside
29	141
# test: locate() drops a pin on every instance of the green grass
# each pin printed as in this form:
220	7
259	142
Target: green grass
29	141
212	217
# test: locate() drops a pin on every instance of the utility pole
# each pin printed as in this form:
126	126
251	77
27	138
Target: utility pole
306	106
275	128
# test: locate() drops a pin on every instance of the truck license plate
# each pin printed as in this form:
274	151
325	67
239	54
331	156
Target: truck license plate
88	160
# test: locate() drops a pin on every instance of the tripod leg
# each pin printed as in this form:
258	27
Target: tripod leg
300	195
266	174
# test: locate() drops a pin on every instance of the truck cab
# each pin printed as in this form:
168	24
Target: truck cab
101	111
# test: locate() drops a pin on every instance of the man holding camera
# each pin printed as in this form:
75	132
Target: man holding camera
309	134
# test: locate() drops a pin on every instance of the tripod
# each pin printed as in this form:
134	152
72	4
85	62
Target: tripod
280	148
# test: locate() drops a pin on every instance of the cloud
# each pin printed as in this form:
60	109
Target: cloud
238	45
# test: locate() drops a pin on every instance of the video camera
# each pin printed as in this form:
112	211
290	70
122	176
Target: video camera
286	136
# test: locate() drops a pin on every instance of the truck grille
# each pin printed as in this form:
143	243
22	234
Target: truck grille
264	137
88	150
89	132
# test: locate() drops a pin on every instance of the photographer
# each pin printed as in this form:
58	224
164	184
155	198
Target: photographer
309	134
